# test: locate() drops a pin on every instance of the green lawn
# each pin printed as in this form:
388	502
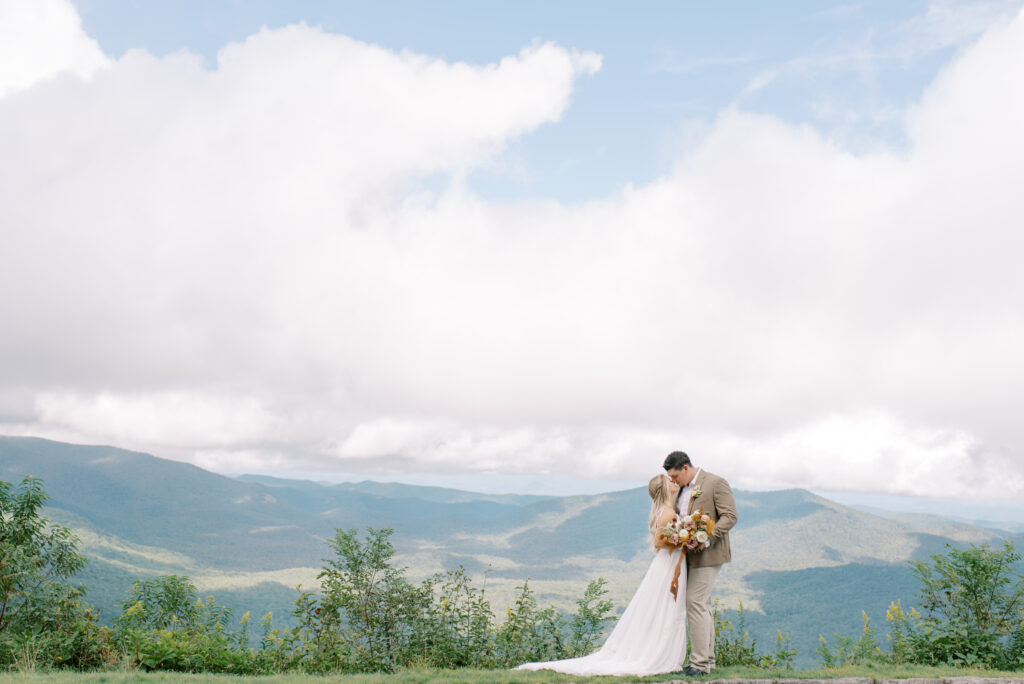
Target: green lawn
466	676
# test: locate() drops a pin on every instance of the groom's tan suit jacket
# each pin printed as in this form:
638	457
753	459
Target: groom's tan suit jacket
713	495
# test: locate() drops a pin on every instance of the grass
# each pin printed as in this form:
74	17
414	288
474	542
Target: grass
467	676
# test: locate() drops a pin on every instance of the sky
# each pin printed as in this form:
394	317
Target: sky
520	246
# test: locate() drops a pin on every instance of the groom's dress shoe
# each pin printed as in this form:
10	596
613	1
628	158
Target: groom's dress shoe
693	672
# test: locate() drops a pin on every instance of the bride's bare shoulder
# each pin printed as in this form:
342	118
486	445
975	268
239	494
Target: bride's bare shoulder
666	515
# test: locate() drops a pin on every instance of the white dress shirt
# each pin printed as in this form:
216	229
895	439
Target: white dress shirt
684	496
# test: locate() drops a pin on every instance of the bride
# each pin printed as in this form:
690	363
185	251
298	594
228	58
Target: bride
650	637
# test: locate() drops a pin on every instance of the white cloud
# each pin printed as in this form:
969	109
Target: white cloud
239	264
41	39
866	452
175	419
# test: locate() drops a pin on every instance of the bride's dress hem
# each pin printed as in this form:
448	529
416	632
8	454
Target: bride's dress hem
650	636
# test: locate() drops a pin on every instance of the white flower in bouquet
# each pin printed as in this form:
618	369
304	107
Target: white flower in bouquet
702	536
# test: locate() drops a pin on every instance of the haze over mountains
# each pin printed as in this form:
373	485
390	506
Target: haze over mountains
802	563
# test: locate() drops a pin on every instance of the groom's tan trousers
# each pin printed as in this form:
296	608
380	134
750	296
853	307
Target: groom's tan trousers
699	616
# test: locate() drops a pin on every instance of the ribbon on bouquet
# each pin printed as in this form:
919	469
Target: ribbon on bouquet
675	577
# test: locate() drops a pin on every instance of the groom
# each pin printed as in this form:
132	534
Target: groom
700	490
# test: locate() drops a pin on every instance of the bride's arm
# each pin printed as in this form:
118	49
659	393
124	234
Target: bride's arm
666	516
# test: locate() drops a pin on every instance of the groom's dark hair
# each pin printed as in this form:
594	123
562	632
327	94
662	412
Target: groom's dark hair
676	460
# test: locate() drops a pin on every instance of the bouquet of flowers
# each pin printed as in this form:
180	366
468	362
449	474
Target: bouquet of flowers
693	531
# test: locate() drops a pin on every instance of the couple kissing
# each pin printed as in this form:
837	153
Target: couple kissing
692	511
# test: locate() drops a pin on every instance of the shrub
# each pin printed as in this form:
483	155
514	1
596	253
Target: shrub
367	617
455	629
43	619
972	606
529	634
370	617
593	611
851	652
315	645
734	645
972	614
373	602
166	626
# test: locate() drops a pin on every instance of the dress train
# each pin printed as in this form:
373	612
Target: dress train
649	638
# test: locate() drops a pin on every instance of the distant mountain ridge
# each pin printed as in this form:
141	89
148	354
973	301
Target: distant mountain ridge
803	563
394	490
933	520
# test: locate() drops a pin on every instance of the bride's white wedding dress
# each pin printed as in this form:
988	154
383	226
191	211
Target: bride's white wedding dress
649	638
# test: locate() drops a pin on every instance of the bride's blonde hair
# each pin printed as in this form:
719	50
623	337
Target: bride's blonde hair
661	495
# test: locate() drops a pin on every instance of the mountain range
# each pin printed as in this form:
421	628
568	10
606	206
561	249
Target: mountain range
802	563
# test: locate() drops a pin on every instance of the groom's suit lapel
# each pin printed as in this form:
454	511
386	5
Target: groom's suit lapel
698	481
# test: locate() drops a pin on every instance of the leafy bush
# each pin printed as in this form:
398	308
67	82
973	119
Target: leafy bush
849	651
972	606
315	645
972	614
43	619
166	626
367	617
593	612
529	634
370	617
1013	656
378	608
65	635
455	629
734	646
